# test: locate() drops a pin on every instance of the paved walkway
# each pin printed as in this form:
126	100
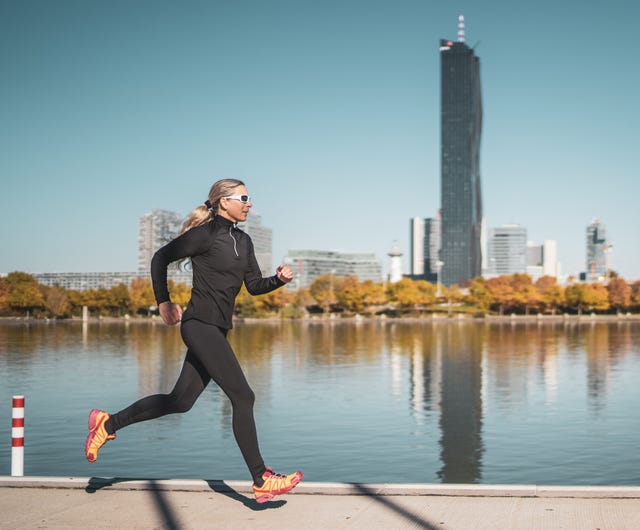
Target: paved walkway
74	503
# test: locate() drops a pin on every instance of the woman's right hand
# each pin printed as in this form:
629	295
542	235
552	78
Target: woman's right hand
170	313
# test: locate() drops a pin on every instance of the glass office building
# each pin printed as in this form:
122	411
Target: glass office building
460	132
507	250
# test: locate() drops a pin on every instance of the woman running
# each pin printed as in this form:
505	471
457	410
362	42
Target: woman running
222	258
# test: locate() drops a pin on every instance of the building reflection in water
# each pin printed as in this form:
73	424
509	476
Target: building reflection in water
449	385
461	403
461	370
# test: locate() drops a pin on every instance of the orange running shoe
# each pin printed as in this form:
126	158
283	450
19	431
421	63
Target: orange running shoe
98	435
275	484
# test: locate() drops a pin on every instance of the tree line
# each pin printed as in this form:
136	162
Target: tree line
21	294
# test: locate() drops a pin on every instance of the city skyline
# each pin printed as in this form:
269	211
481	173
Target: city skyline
330	113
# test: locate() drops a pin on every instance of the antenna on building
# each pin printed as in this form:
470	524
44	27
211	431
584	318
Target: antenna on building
461	28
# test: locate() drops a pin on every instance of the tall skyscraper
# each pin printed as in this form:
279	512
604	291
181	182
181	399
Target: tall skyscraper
507	250
460	132
597	248
155	229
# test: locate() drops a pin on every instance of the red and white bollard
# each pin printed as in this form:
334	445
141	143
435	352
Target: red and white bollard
17	437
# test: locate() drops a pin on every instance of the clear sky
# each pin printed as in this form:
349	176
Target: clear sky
328	110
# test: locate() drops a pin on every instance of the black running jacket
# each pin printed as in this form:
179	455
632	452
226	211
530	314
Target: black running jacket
222	258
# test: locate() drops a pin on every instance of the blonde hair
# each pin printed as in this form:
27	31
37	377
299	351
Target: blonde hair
206	212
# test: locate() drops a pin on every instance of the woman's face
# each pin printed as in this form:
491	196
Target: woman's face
236	205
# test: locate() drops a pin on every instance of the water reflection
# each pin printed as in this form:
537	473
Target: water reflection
458	389
460	392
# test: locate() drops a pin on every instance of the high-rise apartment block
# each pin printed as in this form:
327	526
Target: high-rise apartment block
155	229
261	237
597	248
460	132
507	250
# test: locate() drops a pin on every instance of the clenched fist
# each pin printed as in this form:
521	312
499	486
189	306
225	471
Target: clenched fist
284	273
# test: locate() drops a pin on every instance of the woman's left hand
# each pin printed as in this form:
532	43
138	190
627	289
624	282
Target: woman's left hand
284	273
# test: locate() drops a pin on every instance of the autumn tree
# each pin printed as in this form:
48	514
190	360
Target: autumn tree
619	294
117	300
180	293
142	296
56	301
76	301
93	299
23	292
4	296
453	295
583	296
501	292
302	298
635	294
551	294
427	292
323	292
274	301
600	300
373	295
479	295
404	294
350	294
298	303
576	296
245	304
525	295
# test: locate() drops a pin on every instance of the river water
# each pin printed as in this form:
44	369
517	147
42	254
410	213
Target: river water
345	401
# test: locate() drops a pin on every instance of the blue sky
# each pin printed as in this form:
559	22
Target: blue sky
329	110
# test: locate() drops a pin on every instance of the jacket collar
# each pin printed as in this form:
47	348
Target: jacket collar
223	222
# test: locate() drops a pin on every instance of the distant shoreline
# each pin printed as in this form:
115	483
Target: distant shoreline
432	317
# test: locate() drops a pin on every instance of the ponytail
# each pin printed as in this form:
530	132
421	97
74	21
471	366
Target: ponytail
198	216
206	212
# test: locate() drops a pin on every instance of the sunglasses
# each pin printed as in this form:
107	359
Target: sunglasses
244	199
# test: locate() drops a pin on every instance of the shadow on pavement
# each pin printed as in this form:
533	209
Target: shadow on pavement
97	483
412	517
219	486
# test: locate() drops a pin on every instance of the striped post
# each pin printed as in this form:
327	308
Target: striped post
17	437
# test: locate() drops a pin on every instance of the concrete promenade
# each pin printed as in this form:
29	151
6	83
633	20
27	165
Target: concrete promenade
74	503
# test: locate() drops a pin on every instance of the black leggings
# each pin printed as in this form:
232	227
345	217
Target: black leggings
209	356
